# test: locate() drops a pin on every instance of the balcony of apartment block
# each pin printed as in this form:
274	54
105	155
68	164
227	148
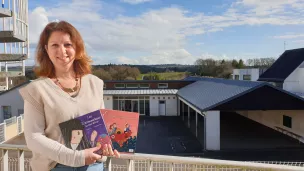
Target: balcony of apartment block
15	156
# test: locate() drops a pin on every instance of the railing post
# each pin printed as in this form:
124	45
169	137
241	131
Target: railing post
110	165
171	167
130	165
14	16
150	165
193	168
5	159
21	160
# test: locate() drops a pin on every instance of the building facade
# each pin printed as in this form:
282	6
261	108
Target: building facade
249	74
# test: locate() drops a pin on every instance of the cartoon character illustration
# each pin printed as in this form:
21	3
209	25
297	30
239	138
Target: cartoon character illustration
113	129
73	135
93	138
127	128
120	137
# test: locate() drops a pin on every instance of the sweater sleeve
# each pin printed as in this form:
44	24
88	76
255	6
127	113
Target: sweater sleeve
34	125
102	106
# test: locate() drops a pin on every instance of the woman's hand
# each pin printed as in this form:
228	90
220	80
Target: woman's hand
90	156
107	151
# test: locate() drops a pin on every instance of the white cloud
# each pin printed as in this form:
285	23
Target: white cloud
199	43
135	1
162	33
179	56
38	19
125	60
298	41
289	36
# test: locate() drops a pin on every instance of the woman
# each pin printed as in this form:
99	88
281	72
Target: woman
64	90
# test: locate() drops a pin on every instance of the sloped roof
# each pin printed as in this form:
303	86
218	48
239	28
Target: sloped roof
208	93
283	66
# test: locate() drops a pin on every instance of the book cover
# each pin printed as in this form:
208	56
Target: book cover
86	131
122	128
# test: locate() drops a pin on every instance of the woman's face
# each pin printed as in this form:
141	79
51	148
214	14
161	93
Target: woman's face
76	136
61	50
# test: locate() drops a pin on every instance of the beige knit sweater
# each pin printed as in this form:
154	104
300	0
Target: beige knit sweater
45	106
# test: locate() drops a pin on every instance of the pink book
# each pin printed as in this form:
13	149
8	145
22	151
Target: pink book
122	128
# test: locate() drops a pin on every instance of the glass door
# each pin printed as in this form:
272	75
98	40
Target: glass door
128	105
134	105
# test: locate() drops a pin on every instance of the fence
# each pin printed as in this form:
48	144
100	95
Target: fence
147	162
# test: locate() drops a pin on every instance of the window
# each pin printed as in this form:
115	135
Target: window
133	103
162	102
162	85
236	77
144	85
287	121
246	77
119	85
7	112
132	85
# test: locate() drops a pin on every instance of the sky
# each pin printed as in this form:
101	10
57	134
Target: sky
175	31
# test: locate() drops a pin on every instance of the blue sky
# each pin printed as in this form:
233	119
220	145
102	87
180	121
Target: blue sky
179	31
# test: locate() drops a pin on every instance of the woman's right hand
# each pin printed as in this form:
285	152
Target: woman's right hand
90	156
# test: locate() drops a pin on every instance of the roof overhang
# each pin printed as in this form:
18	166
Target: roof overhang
271	79
265	97
141	92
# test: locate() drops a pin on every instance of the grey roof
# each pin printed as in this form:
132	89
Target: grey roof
284	65
297	93
206	93
141	92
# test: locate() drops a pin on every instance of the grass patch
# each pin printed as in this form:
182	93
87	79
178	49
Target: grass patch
166	75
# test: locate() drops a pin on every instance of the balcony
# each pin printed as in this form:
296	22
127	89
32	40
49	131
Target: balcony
15	156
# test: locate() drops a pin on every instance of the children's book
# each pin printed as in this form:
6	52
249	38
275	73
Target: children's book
86	131
122	128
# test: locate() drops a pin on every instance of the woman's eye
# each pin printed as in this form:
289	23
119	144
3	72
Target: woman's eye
68	44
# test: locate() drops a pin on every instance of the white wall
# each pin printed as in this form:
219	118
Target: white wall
275	118
295	81
108	101
11	98
254	72
213	130
171	105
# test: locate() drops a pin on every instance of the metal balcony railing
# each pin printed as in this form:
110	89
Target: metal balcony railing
15	158
14	36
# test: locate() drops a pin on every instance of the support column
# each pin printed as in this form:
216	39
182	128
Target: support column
178	107
196	115
213	130
188	116
183	112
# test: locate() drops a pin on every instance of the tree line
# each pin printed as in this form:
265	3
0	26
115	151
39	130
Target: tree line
224	68
202	67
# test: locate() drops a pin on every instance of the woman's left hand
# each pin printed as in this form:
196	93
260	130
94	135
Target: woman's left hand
107	151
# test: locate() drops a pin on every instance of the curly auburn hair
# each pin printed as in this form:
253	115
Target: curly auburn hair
82	62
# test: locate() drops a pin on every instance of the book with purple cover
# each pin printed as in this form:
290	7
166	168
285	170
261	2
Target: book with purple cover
86	131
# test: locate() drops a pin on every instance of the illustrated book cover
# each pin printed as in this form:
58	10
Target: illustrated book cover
122	127
85	131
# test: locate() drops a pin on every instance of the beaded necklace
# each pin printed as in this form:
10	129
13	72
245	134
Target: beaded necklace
69	90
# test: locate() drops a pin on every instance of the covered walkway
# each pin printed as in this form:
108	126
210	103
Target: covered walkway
232	114
239	132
